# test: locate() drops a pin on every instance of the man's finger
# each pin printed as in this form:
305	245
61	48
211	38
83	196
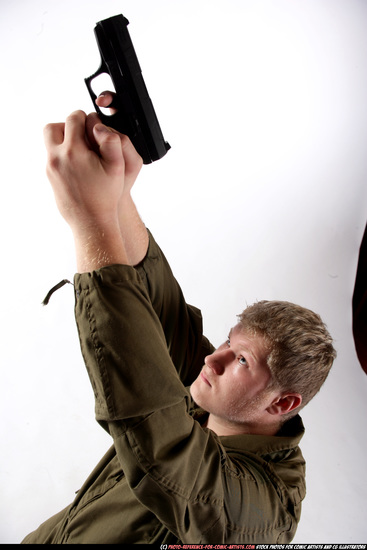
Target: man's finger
133	161
75	128
105	100
109	143
53	134
92	120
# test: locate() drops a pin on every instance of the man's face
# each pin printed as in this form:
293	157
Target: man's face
232	384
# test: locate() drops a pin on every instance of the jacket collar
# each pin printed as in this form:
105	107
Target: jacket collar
287	438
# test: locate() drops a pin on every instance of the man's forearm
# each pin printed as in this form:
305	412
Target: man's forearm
98	247
133	230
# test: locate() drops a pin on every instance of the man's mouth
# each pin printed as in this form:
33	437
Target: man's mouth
205	379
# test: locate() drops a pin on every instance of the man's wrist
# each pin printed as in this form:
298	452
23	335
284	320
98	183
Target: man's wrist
99	246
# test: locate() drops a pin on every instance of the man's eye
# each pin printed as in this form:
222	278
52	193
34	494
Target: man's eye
228	342
242	361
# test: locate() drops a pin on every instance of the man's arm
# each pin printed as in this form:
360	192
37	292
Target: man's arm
182	323
92	180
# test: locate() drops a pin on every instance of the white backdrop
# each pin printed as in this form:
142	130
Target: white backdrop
262	196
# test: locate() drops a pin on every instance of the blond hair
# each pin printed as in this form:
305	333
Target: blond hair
301	348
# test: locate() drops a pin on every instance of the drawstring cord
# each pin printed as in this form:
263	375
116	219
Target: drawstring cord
53	289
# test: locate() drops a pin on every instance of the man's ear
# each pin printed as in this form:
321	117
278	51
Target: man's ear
285	404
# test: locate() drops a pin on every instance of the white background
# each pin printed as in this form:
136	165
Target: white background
262	196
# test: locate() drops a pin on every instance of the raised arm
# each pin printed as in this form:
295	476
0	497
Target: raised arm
181	322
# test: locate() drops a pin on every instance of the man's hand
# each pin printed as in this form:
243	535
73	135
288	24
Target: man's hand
88	166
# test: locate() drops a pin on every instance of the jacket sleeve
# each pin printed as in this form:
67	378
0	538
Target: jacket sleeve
139	396
176	468
182	323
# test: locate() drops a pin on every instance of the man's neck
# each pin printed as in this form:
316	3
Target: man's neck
224	427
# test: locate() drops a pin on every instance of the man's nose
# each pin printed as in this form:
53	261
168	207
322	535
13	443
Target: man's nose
219	360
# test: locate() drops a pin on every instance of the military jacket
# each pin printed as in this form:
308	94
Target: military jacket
166	478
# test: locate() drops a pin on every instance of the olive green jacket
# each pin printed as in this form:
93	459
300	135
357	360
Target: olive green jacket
166	478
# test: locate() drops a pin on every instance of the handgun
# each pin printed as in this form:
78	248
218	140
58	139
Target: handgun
135	115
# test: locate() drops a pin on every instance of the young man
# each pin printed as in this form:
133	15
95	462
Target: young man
218	462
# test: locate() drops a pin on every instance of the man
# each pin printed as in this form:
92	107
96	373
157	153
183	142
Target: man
216	463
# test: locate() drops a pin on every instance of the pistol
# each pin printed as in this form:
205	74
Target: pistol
135	115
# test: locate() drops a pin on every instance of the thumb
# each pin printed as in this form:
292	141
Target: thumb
109	144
